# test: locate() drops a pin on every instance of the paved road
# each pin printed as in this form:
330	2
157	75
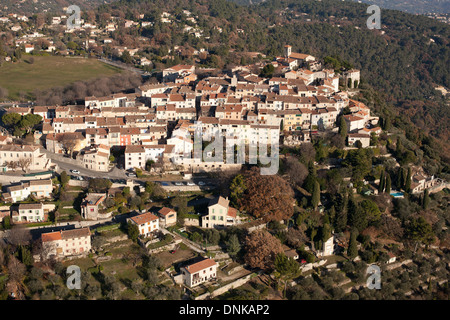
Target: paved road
37	231
66	164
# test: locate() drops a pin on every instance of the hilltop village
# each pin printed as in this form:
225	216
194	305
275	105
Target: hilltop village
113	185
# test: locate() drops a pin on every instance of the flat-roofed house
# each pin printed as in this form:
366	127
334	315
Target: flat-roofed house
199	272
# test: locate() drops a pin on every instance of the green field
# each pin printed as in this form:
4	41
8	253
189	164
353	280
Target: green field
49	71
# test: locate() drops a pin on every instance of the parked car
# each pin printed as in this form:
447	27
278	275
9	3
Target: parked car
75	171
201	183
190	183
178	183
131	175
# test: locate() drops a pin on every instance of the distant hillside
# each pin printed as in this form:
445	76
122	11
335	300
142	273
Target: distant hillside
414	6
410	6
29	7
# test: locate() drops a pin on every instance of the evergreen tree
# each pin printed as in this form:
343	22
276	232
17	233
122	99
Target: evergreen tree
64	178
325	232
408	181
357	218
352	250
381	184
310	180
133	231
388	184
387	123
316	195
233	245
342	127
426	199
237	188
399	182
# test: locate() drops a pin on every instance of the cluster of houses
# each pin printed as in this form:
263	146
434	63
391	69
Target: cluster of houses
100	36
76	242
158	121
23	157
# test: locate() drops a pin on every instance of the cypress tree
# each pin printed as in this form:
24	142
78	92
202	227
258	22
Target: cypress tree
352	250
408	181
399	182
310	180
388	184
381	184
343	127
316	195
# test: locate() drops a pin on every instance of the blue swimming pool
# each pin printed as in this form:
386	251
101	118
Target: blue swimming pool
397	194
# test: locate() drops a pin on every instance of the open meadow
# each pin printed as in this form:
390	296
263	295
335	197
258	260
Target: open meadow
45	72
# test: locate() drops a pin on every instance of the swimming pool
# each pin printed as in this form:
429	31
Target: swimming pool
397	194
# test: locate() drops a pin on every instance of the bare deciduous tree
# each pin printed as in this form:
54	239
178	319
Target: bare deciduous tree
296	171
12	165
19	235
25	163
69	143
16	269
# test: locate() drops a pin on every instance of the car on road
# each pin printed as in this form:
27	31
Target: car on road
131	175
201	183
178	183
75	171
190	183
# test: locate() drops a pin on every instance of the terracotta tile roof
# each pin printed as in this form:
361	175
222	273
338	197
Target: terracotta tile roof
358	135
165	211
232	212
144	218
198	266
51	236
